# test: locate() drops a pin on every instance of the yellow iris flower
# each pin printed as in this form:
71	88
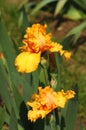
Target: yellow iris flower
47	100
35	42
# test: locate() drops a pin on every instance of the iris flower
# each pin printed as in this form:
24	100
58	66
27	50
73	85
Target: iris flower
47	100
36	41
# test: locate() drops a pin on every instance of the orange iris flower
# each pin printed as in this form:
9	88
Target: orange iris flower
35	42
47	100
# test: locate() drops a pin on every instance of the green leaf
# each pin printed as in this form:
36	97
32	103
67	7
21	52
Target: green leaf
80	126
41	5
23	83
74	14
81	3
39	124
70	112
7	45
77	31
7	117
59	6
4	87
23	20
8	87
20	127
13	121
17	97
66	42
2	116
24	2
23	117
22	110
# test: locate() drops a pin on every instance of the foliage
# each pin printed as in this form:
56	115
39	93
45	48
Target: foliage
74	10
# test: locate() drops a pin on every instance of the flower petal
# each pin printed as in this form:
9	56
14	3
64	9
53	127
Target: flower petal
47	100
55	47
34	115
27	62
67	55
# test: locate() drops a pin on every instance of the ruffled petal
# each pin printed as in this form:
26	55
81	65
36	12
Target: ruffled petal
34	115
47	100
27	62
55	47
67	55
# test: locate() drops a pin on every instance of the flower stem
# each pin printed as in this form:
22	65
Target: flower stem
53	122
46	75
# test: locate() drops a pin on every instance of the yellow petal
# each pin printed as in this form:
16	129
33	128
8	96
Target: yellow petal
34	115
67	55
27	62
55	47
47	100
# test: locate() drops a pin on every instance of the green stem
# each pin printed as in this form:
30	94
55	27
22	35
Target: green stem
53	122
57	58
45	128
46	75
